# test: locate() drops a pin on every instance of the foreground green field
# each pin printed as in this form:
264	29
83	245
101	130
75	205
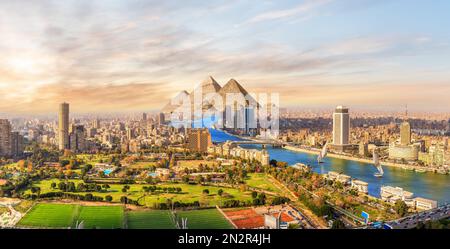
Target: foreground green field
48	215
189	193
155	219
105	217
205	219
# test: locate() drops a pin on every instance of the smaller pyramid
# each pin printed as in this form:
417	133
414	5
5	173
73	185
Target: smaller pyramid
175	102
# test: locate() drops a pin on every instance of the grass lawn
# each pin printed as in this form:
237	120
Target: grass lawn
190	193
205	219
93	159
106	217
50	215
3	210
194	164
261	181
155	219
141	165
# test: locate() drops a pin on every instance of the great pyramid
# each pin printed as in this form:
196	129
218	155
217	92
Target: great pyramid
209	85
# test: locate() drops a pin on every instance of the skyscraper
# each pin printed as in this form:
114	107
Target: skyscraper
78	138
405	133
341	126
5	137
63	126
17	144
199	139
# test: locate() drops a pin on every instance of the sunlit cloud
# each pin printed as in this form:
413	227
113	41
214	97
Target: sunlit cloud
106	56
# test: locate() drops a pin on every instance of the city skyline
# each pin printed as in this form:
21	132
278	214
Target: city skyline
133	56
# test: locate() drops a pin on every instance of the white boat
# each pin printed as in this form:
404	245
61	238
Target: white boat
421	170
376	162
322	153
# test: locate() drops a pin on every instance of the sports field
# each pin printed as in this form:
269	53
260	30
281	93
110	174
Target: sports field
50	215
66	215
155	219
105	217
205	219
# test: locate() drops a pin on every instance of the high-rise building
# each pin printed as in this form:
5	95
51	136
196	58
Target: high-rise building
341	126
96	123
160	119
77	138
130	134
405	133
199	139
17	144
63	126
144	116
5	138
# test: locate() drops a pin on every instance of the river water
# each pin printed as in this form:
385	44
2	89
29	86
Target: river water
428	185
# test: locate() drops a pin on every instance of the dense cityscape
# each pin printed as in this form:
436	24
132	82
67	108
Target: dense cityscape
224	123
160	175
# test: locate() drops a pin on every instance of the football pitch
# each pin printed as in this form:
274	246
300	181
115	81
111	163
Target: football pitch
49	215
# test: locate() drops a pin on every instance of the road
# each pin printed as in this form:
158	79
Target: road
413	220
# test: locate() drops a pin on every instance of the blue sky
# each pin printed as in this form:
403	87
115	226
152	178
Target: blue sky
135	55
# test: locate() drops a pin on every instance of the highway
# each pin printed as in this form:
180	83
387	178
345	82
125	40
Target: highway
413	220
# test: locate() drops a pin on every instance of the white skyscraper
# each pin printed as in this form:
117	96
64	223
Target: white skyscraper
341	126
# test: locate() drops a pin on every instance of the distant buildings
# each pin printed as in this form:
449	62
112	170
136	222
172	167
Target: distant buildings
63	126
392	194
229	149
404	150
5	138
11	143
360	186
199	139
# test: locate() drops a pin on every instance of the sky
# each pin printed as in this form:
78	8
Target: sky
108	55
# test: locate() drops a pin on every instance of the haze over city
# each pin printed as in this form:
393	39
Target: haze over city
108	56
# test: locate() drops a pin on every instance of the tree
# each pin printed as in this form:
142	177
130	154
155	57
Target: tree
220	192
205	191
338	224
53	185
108	198
401	208
254	194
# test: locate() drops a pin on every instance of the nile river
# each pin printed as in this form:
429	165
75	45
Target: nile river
428	185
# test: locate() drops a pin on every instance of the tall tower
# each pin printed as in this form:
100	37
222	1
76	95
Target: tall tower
341	126
5	137
63	126
405	133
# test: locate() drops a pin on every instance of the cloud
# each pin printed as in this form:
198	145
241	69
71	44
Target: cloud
302	9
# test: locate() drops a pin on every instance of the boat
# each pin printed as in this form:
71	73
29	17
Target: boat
322	153
376	162
442	171
420	170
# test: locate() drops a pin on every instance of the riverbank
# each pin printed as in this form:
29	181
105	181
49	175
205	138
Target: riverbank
361	160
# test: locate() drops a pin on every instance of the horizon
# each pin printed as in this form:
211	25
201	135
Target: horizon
133	56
